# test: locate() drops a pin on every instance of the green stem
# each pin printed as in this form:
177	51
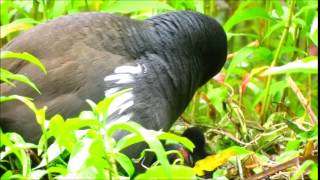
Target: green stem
44	10
267	98
195	106
268	5
35	9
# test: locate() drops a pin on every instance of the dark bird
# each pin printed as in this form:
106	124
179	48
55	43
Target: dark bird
196	136
163	60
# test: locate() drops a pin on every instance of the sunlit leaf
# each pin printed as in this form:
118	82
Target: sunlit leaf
286	156
9	76
8	55
17	25
302	169
244	15
230	35
158	172
122	6
310	67
125	163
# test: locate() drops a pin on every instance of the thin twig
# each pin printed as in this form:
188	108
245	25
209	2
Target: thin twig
252	44
302	99
271	171
229	136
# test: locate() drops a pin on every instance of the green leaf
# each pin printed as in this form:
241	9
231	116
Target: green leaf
18	147
181	140
25	100
127	141
9	76
292	145
149	136
7	175
302	169
8	55
219	174
41	116
310	67
269	138
17	25
314	172
278	7
307	8
122	6
102	108
241	55
238	150
52	152
78	123
244	15
230	35
125	163
273	28
287	156
158	172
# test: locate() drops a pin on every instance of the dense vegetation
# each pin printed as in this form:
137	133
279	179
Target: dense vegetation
260	113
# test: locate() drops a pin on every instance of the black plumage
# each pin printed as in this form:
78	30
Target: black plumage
163	59
196	136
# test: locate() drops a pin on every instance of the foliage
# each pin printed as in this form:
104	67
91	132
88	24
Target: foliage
264	99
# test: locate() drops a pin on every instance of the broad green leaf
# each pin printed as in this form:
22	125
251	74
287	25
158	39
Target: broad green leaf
314	172
17	25
125	163
79	156
173	137
41	116
25	100
52	152
274	28
78	123
5	9
127	141
239	150
241	55
291	49
310	67
7	55
305	9
158	172
219	174
286	156
149	136
102	108
86	159
293	145
19	151
9	76
278	7
59	170
302	169
122	6
7	175
244	15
